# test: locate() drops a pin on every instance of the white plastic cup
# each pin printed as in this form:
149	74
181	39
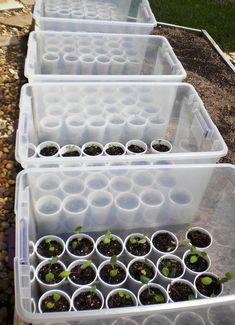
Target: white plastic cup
71	62
87	64
118	64
127	206
163	142
46	286
47	184
115	144
31	151
68	148
63	13
56	238
85	289
203	231
184	282
73	256
100	204
199	294
102	64
156	253
76	127
139	143
152	285
101	51
103	257
96	182
156	126
134	66
74	285
77	14
157	319
51	292
92	143
163	277
126	292
142	180
136	127
55	110
50	12
96	129
72	186
180	205
106	287
75	209
116	127
120	184
152	202
50	63
50	128
191	273
45	144
84	50
189	317
131	256
133	284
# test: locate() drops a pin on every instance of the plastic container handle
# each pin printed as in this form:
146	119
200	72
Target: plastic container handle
170	61
204	125
37	9
31	55
147	11
23	237
25	124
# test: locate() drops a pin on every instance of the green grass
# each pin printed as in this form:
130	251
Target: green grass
216	16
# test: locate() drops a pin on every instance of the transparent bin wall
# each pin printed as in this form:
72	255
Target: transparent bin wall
125	16
55	56
106	112
210	191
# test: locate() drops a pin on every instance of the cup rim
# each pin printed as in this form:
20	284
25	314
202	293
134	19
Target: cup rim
50	292
190	284
207	258
112	285
155	285
137	235
82	289
142	260
75	236
202	230
99	239
160	232
170	256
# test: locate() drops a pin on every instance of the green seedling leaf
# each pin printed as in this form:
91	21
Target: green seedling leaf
108	232
113	259
113	273
50	305
86	264
191	297
53	260
193	259
74	244
52	249
78	230
193	249
144	279
159	298
49	277
229	275
187	241
106	240
165	271
128	296
203	254
143	272
206	280
48	240
93	289
121	293
56	297
65	274
142	241
169	249
133	240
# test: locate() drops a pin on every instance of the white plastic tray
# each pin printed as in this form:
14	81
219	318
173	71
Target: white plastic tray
210	191
76	113
56	56
111	16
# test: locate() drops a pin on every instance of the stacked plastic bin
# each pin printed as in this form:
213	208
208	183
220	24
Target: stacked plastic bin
97	79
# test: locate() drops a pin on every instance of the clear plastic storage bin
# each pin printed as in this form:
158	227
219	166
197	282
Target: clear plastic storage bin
77	113
56	56
41	207
111	16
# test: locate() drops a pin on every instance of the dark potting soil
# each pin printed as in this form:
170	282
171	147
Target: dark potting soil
87	301
71	154
138	249
106	277
180	292
82	276
115	301
164	242
136	149
49	151
210	290
160	147
198	238
81	247
115	151
55	268
136	270
110	249
51	249
148	296
199	266
93	150
60	305
174	267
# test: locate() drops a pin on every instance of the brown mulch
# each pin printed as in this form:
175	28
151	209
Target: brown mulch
211	77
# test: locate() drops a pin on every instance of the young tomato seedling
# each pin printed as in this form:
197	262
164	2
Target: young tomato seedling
76	241
49	277
114	271
56	297
108	238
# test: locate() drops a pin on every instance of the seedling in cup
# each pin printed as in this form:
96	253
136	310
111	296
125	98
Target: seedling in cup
121	298
109	245
80	244
138	245
49	246
152	294
75	242
49	271
114	271
51	304
54	301
87	298
50	276
92	149
80	273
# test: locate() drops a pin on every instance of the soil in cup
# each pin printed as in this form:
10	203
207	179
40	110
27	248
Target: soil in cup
199	238
180	291
135	148
80	246
113	247
82	276
115	151
110	277
199	266
55	303
164	242
139	269
170	268
210	289
120	299
73	153
161	147
93	150
48	151
138	246
152	296
49	248
87	301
